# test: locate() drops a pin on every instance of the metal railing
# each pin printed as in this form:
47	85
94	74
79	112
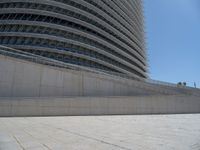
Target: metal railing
161	83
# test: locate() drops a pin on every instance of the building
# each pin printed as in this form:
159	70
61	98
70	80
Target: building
103	35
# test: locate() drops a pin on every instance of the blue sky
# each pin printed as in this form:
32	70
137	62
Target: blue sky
173	40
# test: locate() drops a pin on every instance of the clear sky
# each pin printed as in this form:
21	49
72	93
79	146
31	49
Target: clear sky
173	40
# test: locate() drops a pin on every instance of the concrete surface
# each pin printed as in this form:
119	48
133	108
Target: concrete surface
151	132
124	105
20	78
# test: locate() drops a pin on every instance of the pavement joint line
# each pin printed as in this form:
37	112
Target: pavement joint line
91	138
18	142
46	146
95	139
36	139
88	137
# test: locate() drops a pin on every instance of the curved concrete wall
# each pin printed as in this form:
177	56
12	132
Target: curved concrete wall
19	78
55	91
105	35
23	78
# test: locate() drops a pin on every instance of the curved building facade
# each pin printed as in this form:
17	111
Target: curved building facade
107	35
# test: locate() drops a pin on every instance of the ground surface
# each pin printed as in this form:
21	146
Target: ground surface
148	132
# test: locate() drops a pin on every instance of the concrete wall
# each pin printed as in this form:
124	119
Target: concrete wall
99	105
89	93
20	78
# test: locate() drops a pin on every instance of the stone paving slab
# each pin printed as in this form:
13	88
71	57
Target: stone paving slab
138	132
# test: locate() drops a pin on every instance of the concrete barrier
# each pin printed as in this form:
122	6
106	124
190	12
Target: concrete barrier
99	105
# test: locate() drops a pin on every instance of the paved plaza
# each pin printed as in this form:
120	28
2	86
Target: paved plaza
142	132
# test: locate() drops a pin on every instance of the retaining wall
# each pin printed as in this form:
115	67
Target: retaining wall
99	105
20	78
